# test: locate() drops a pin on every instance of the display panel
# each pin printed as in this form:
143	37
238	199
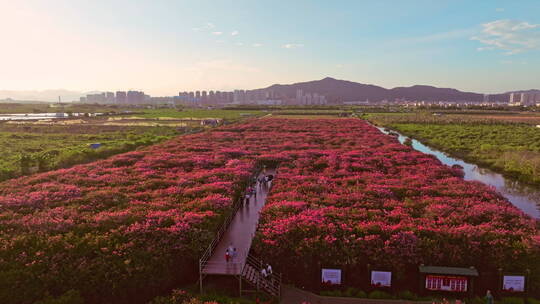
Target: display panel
446	283
331	276
514	283
381	278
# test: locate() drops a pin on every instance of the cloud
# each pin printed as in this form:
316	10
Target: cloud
234	33
510	36
256	45
239	43
499	9
217	33
292	45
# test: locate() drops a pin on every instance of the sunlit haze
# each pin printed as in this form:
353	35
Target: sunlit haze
163	47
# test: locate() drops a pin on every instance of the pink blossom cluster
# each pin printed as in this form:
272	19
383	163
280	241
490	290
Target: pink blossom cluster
133	222
345	194
348	195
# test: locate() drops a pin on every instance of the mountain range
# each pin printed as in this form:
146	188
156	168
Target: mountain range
335	90
343	90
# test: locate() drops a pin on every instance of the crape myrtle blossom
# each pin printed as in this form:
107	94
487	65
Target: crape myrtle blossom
135	222
349	195
345	194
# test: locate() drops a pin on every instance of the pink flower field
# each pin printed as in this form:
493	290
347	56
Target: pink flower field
347	196
119	229
127	228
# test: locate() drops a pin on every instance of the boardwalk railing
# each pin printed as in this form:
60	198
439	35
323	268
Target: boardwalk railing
250	270
252	274
203	261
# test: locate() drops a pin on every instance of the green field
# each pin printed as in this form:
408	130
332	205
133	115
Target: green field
199	113
15	108
31	147
501	144
28	149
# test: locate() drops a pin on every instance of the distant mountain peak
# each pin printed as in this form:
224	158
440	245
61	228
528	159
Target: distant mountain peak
343	90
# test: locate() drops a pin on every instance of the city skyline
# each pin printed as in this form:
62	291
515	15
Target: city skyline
168	46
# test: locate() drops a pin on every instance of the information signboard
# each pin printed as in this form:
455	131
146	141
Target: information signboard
446	283
514	283
381	278
331	276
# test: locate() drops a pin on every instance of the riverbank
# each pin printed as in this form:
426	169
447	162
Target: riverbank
509	150
523	196
506	147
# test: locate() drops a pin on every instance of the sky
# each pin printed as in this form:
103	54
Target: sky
163	47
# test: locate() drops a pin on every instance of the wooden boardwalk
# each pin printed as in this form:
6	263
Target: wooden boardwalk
239	234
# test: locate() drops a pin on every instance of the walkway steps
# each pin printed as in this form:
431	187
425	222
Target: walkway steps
238	232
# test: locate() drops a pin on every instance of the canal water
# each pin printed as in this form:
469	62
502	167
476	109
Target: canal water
525	197
39	116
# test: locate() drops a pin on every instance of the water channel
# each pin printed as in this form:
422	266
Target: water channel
39	116
525	197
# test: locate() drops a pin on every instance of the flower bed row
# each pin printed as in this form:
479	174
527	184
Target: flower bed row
347	196
119	230
126	228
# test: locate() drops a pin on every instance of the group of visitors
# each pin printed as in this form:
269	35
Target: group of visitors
230	254
268	279
250	191
265	179
266	271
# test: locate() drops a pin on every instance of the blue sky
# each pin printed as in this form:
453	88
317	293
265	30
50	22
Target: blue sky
166	46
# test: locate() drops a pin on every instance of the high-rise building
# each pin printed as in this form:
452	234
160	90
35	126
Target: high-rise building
109	97
135	97
309	98
513	98
204	97
299	95
239	96
523	98
96	98
121	97
211	97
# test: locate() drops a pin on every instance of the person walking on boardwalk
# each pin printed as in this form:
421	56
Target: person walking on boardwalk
247	196
264	275
268	269
489	297
227	256
233	255
269	273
